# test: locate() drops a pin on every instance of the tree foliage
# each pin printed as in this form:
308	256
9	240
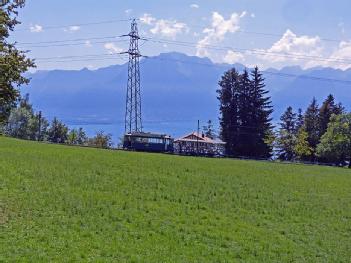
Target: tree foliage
13	62
101	140
245	111
209	130
287	135
335	144
58	132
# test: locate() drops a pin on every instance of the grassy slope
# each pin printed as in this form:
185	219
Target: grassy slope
62	203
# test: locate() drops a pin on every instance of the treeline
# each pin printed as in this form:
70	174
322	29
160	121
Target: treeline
24	123
320	134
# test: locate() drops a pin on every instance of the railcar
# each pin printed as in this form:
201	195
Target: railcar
148	142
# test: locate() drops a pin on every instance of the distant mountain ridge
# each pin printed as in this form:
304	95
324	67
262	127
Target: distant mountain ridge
174	87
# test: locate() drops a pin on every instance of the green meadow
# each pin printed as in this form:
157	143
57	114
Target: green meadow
70	204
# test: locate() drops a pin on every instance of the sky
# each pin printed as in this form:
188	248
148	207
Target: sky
79	34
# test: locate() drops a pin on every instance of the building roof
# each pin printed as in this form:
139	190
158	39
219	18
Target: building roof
196	137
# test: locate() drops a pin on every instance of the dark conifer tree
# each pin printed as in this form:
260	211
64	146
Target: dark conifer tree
311	125
229	119
261	110
246	130
299	120
325	112
245	114
287	135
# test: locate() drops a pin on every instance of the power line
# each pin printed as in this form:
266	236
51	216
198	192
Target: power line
68	40
253	51
76	44
298	56
78	24
264	34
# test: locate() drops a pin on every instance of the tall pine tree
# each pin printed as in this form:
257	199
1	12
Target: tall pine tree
287	135
261	110
311	126
245	114
328	108
229	119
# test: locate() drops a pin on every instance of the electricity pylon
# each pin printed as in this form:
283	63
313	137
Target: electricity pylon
133	121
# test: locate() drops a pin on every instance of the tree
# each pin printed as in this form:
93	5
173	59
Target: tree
209	130
18	124
82	138
287	135
72	137
261	110
13	63
58	132
327	109
38	126
229	119
23	123
299	120
302	149
311	126
77	137
245	114
101	140
335	146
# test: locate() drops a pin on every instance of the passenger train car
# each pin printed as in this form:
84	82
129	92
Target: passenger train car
148	142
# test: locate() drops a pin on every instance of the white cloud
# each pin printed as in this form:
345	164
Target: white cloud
341	57
234	57
72	29
166	28
291	48
88	43
219	28
36	28
169	28
196	6
112	48
128	11
253	15
147	19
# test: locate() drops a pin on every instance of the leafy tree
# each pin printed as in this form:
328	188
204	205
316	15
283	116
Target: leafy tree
13	63
38	127
287	135
209	130
302	149
77	137
101	140
82	138
335	144
328	108
72	137
311	126
18	124
58	132
23	123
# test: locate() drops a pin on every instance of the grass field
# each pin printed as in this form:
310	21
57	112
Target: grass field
63	204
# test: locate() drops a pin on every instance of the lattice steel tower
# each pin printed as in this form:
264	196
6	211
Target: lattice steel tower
133	121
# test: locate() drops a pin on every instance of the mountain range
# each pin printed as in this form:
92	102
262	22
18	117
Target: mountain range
175	88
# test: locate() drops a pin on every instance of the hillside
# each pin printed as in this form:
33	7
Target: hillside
62	203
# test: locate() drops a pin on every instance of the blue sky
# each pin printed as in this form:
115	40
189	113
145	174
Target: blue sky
268	33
